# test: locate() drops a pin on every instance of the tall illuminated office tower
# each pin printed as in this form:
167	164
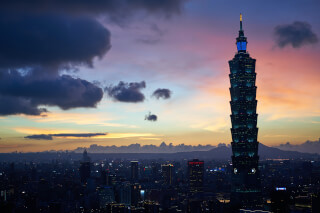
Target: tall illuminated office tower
134	170
246	185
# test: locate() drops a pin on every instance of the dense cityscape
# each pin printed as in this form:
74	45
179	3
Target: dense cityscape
117	185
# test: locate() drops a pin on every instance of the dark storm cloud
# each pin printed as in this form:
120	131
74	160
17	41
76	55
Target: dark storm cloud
162	93
127	92
23	94
34	48
17	105
50	136
28	40
296	34
40	38
151	117
119	7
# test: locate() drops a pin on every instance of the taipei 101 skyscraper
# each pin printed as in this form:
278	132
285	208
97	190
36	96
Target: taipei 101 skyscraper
246	185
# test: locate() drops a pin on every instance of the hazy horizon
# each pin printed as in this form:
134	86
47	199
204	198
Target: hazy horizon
306	147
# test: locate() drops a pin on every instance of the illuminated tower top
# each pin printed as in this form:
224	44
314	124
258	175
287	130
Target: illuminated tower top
241	40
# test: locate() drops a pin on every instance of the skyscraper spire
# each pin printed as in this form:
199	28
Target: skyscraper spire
241	33
240	22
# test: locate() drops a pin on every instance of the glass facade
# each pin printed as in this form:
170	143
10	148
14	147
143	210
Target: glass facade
196	175
246	187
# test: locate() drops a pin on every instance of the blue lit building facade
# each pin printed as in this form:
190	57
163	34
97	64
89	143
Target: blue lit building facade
246	186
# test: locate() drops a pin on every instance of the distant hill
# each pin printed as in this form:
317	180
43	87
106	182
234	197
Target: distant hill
307	147
265	152
218	153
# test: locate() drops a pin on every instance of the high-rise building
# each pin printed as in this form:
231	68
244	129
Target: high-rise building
134	170
167	173
135	194
111	179
124	193
85	157
280	200
151	207
315	202
195	173
85	167
246	189
105	196
103	177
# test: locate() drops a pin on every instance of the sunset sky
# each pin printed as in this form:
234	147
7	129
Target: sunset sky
70	57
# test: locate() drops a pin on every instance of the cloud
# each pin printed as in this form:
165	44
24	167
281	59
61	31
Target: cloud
307	147
127	92
138	148
39	137
129	135
64	135
23	94
35	48
55	131
97	7
16	105
296	34
42	39
162	93
39	39
151	117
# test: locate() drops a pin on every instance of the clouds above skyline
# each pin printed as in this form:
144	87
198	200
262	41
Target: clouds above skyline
35	49
48	37
307	147
296	34
50	40
162	93
147	148
24	94
151	117
63	135
127	92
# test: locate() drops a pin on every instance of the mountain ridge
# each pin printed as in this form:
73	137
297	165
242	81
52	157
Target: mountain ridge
218	153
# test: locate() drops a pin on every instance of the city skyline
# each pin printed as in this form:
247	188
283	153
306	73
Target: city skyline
163	76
